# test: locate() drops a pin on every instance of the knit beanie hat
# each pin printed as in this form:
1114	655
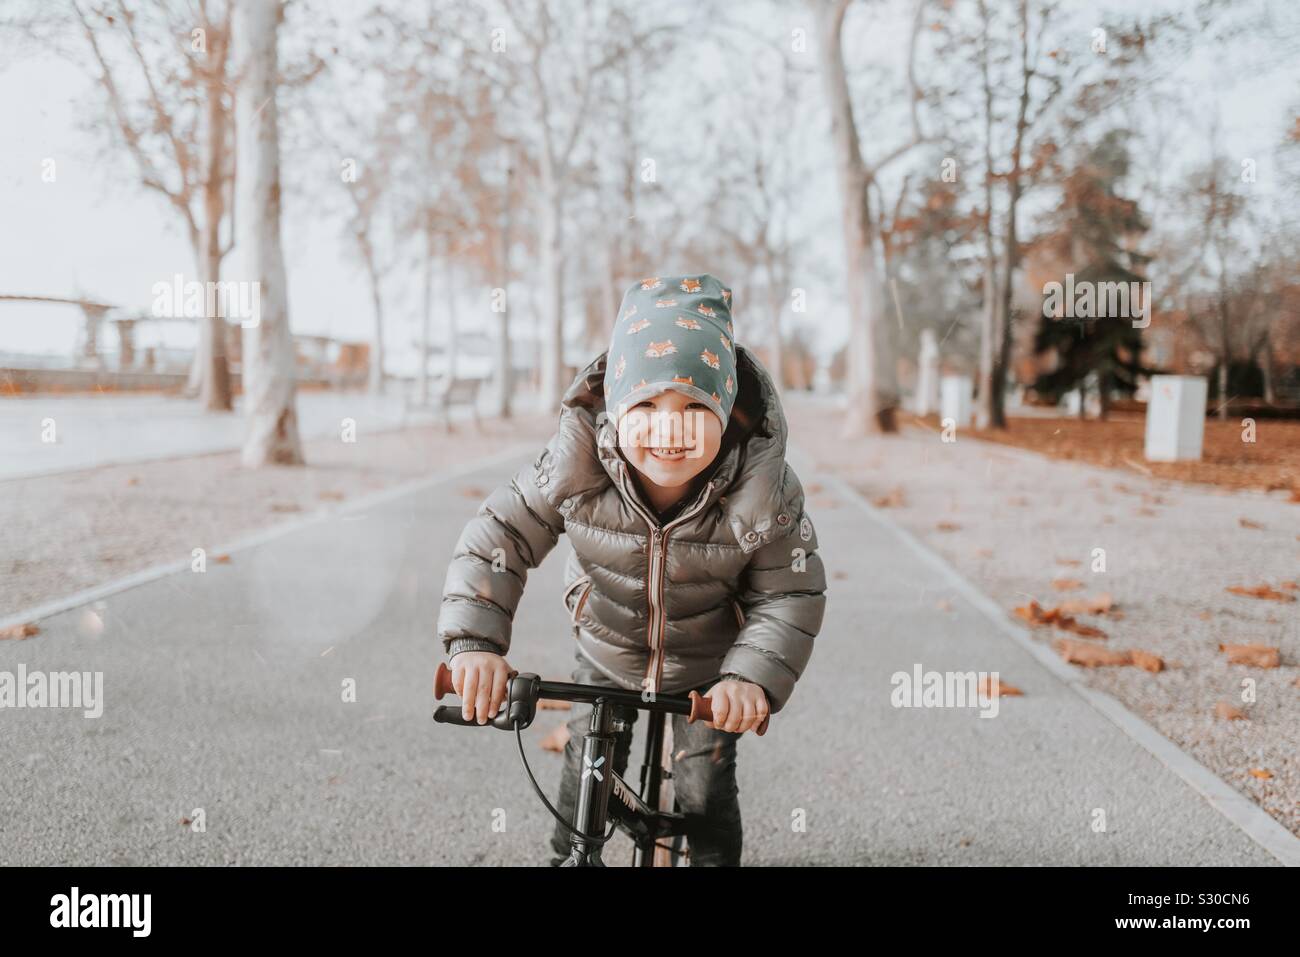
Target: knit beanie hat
673	333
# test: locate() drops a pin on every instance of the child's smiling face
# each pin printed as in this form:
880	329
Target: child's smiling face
670	438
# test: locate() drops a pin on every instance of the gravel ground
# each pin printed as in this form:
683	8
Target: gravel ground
60	534
1013	522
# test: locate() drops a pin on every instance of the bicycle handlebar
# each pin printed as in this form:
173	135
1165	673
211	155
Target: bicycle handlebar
695	706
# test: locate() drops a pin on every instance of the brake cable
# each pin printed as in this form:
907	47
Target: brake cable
598	841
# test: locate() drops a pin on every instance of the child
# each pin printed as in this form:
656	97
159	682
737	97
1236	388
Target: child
694	564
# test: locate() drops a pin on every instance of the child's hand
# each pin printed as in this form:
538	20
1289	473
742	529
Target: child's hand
738	706
479	677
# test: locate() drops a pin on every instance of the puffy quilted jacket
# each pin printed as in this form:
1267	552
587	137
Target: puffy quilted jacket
732	584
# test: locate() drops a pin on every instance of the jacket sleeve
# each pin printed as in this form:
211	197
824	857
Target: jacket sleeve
783	597
513	530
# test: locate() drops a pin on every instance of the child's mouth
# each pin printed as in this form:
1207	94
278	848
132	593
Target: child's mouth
668	455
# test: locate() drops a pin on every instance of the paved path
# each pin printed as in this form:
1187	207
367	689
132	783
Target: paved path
223	692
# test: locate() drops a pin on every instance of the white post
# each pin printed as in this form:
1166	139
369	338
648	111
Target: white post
955	401
927	383
1175	418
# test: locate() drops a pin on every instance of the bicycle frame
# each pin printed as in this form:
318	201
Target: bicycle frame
602	793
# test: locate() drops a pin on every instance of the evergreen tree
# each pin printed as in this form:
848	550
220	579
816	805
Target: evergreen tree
1092	230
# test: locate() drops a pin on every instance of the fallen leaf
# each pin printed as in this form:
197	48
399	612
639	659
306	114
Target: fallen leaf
1018	500
222	559
1147	661
988	686
895	498
133	481
1066	584
1256	656
1206	615
329	495
556	739
1289	586
19	632
1247	523
285	507
1090	655
186	822
1261	773
1070	562
947	527
1227	712
1097	605
1036	615
1261	591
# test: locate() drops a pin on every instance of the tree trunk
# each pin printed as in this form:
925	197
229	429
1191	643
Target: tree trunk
866	412
269	393
210	374
426	318
505	371
552	266
376	380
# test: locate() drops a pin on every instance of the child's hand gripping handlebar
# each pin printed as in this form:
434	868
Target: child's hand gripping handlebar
525	690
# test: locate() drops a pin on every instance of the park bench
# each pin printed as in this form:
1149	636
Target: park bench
447	394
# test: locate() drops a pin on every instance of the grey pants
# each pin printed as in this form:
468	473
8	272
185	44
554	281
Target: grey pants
704	778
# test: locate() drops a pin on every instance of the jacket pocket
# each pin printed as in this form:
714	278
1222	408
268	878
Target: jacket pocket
581	586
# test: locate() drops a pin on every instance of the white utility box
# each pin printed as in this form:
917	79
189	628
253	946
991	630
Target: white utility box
1175	418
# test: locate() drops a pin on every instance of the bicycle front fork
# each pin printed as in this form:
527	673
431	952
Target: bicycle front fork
591	814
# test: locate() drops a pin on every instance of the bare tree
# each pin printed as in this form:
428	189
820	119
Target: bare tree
168	98
269	363
869	409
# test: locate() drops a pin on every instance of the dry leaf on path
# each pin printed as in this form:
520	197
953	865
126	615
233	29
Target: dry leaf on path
947	527
895	498
1089	655
1228	712
1261	773
1066	584
1261	591
1101	604
1035	614
1147	661
1256	656
19	632
1247	523
988	686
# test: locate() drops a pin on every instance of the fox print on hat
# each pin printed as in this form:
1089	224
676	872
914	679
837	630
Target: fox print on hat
673	333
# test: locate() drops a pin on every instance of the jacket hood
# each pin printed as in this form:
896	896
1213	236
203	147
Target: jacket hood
750	484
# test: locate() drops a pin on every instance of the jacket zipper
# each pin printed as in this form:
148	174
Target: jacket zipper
654	584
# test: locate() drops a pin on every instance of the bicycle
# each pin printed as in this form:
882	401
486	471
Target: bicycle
651	819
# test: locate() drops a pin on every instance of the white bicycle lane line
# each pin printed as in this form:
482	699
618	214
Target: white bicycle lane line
943	578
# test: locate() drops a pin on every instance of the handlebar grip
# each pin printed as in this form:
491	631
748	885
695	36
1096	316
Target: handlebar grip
447	714
442	685
702	710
